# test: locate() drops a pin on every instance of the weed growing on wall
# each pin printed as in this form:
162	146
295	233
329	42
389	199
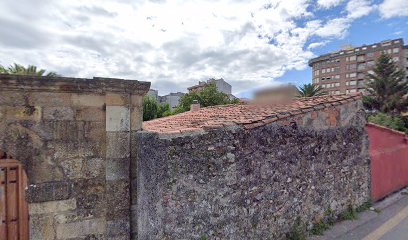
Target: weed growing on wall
349	214
298	231
319	227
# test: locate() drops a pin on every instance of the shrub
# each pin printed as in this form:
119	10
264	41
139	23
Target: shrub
394	122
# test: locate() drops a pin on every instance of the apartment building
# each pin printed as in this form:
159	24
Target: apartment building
221	84
345	71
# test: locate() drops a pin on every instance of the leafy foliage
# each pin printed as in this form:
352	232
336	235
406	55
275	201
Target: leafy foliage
153	109
163	110
393	122
298	231
319	227
31	70
150	108
386	87
349	214
208	96
310	90
365	206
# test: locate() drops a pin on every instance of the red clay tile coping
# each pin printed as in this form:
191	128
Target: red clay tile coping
246	115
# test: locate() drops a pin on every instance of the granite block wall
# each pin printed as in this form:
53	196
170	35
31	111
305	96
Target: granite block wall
251	183
73	138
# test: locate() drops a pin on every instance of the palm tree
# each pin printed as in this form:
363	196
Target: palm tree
386	87
310	90
31	70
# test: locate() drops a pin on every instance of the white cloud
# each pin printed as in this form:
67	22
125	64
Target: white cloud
393	8
316	45
329	3
359	8
171	43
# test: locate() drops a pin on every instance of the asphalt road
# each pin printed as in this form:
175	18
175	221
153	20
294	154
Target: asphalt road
391	223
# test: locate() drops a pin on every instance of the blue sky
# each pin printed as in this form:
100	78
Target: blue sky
366	30
175	43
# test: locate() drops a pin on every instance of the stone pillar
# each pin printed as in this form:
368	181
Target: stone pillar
136	119
118	126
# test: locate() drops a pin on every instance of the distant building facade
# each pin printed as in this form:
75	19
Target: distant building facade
345	71
221	84
172	99
154	94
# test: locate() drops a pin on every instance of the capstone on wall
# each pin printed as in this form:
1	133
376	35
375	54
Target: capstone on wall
237	183
73	138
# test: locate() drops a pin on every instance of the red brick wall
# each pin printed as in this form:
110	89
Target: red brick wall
389	160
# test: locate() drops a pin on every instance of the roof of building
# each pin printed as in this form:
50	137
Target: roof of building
246	115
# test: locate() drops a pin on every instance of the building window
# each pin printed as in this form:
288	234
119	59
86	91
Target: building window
352	90
337	84
361	66
351	66
317	73
395	50
360	76
351	75
324	70
351	58
370	54
361	58
337	92
337	76
395	59
388	51
352	83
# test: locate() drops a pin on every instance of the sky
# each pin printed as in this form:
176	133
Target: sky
174	44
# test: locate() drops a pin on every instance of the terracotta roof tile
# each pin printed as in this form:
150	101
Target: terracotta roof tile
247	115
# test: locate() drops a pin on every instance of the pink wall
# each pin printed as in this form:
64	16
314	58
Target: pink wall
389	160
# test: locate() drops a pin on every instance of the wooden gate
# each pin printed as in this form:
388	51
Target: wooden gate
13	206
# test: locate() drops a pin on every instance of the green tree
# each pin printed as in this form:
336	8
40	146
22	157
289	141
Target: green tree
386	87
31	70
310	90
150	108
163	110
153	109
208	96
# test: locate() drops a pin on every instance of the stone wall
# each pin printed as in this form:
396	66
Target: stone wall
237	183
73	138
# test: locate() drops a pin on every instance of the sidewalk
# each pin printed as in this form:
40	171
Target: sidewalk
391	223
